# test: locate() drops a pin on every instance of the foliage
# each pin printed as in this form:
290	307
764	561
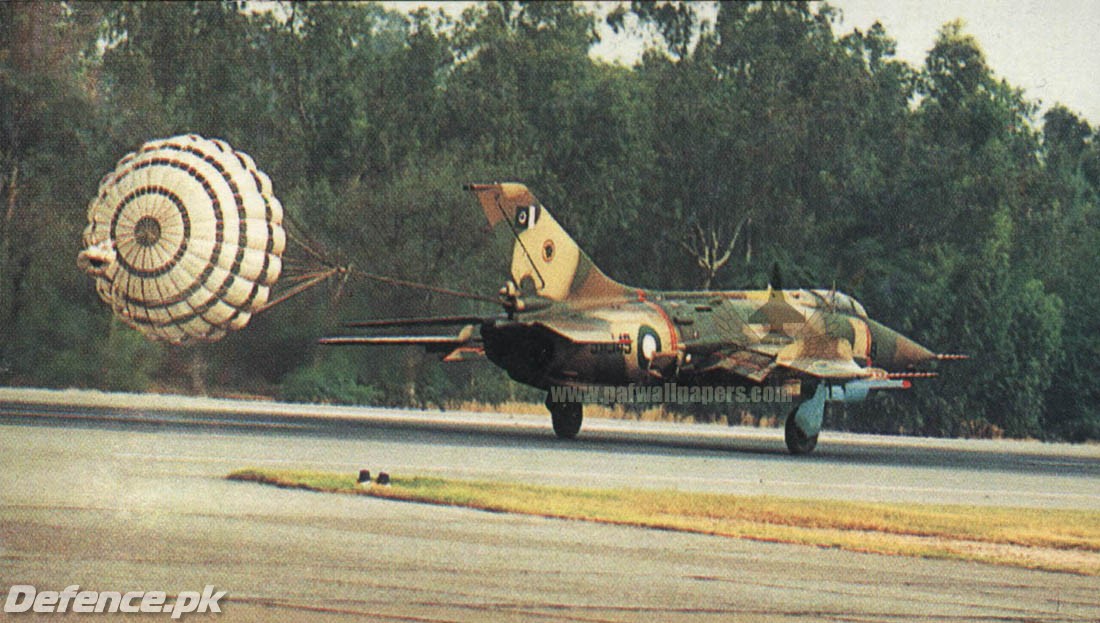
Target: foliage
932	193
328	382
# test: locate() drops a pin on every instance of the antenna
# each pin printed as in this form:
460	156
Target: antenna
515	234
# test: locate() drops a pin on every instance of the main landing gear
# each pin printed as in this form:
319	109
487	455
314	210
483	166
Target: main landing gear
566	417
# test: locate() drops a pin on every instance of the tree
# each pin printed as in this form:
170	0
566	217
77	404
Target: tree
52	330
760	137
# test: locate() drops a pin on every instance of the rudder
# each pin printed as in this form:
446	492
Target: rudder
546	261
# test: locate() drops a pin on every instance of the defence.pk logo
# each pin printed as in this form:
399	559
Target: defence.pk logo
23	598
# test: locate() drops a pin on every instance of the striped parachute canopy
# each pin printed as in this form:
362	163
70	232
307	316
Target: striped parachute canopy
184	239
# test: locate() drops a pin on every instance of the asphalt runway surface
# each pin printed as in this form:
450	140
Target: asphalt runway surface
118	493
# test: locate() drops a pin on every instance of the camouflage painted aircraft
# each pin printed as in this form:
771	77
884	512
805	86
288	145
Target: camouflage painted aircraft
567	324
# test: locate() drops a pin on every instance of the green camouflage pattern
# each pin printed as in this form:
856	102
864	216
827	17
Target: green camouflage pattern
566	323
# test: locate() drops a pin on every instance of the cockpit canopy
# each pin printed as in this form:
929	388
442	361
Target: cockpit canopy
838	301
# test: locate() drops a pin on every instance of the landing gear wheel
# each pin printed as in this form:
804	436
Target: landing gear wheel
567	417
798	442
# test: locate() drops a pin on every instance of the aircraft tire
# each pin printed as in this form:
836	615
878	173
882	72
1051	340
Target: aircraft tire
566	418
798	442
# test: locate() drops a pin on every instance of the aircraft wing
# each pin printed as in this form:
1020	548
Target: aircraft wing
416	322
580	330
462	346
745	363
465	345
392	340
820	357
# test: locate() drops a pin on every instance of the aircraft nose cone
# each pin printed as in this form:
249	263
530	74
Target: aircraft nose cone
894	351
909	354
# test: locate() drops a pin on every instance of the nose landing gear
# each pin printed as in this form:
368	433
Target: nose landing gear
804	422
798	442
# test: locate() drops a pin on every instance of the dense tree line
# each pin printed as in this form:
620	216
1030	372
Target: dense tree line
935	194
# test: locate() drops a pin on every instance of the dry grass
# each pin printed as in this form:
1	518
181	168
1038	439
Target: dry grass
1054	540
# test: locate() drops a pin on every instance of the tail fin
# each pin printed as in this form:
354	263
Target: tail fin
545	260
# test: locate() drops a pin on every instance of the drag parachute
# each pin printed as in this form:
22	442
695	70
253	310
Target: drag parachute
185	239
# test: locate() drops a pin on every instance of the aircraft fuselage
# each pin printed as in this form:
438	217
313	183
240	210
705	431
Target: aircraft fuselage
643	341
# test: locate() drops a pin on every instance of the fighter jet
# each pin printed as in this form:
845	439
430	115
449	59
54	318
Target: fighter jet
565	324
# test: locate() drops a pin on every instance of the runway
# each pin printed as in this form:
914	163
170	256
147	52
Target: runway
126	493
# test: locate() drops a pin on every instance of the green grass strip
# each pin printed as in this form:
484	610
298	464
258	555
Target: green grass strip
1048	539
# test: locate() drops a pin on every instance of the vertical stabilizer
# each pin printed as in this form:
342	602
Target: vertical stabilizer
545	260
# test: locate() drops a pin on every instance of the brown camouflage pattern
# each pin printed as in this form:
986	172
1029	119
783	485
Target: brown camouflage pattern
600	326
569	323
566	323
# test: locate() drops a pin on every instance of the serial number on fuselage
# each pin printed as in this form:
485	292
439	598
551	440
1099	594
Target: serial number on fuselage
624	345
